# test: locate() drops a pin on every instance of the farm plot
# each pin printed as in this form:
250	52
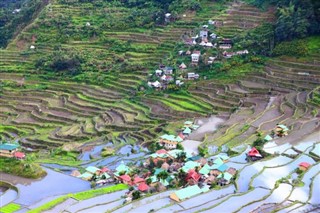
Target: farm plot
302	193
269	176
279	195
249	171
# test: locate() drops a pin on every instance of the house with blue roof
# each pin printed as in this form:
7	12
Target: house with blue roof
8	149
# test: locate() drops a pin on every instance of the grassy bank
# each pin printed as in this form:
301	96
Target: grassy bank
21	168
79	196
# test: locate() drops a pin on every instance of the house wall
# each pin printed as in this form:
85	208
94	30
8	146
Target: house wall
7	153
174	197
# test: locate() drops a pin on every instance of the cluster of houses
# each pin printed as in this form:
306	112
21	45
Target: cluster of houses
176	168
167	167
165	76
171	141
11	150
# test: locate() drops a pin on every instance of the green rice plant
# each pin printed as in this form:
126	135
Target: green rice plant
50	204
96	192
10	208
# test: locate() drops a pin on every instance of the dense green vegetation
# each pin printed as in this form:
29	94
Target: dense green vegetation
23	168
295	19
14	15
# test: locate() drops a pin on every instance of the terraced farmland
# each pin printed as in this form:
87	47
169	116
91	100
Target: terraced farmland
106	104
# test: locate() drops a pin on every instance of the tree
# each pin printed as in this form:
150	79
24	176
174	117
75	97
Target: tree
163	175
136	195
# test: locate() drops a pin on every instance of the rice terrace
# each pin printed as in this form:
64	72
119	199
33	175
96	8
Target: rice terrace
159	106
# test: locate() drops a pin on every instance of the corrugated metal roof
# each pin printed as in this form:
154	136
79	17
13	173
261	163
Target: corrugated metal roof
188	192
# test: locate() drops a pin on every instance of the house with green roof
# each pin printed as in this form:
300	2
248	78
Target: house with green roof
224	158
187	192
268	138
175	152
187	131
153	179
86	176
195	127
158	170
205	169
224	178
190	165
169	141
164	182
218	161
122	168
281	130
8	149
92	169
188	124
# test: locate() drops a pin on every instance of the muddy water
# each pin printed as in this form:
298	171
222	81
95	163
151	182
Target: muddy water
55	183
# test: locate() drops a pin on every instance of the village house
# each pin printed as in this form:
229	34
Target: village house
254	154
11	150
182	66
179	83
224	178
194	39
190	165
211	60
16	11
122	168
211	22
304	166
230	54
225	43
143	187
204	32
167	17
268	138
281	130
186	131
206	43
169	141
126	179
193	177
168	70
164	157
195	57
187	192
158	73
213	36
155	84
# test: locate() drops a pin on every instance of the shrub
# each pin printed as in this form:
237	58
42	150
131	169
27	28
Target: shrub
292	48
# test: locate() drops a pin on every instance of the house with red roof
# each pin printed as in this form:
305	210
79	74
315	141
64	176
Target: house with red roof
254	154
126	179
143	187
303	166
19	155
162	151
193	177
137	180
